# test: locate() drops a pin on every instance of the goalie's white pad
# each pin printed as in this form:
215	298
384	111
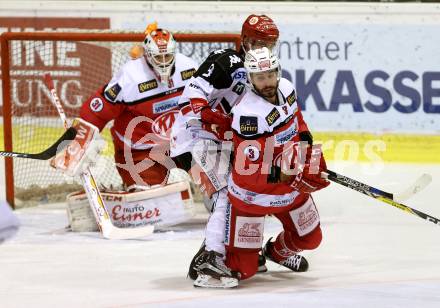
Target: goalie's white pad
162	206
9	223
82	152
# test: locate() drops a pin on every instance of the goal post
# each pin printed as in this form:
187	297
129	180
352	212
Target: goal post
79	62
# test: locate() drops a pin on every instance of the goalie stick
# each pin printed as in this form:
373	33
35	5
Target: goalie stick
50	152
378	194
102	216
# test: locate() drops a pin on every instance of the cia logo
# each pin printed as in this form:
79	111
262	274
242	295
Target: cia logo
209	72
253	21
252	152
96	104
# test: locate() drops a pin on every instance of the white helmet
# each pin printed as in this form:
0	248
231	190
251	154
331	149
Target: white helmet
160	50
261	60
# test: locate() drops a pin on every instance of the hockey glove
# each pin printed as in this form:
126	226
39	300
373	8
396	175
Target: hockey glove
310	180
82	152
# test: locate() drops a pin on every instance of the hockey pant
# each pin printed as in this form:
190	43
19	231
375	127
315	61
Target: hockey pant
140	169
244	235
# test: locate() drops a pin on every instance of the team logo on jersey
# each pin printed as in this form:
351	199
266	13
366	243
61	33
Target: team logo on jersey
252	152
238	88
248	125
273	116
162	125
167	105
112	92
96	104
147	85
220	51
291	98
187	74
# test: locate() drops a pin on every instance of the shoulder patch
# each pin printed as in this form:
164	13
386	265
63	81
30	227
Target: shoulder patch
113	91
147	85
248	125
272	116
187	74
291	98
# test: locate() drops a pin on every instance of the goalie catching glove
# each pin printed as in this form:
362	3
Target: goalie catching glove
82	152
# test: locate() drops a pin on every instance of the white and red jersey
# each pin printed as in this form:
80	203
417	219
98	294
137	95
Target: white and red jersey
220	81
262	133
142	108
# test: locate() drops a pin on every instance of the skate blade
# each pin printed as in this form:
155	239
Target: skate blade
262	269
206	281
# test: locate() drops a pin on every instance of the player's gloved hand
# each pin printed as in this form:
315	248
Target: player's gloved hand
310	180
82	152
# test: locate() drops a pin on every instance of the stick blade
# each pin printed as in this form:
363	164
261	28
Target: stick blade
421	183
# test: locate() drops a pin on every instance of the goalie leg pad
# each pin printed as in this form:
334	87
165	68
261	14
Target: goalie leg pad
243	241
9	223
162	206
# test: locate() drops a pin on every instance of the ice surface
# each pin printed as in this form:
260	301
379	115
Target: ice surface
372	255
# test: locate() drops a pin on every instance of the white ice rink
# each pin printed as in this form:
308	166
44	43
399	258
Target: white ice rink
372	255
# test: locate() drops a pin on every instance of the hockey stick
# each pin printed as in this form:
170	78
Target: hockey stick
376	194
50	152
102	216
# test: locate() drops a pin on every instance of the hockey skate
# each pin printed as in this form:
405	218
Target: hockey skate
295	263
262	268
212	271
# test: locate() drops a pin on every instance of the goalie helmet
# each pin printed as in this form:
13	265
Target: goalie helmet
259	31
160	50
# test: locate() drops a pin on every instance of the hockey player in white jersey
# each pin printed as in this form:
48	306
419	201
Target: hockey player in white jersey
201	127
142	101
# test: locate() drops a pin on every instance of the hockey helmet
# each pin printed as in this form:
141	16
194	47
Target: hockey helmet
259	31
259	61
160	50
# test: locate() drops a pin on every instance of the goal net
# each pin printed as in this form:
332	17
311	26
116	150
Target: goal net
79	64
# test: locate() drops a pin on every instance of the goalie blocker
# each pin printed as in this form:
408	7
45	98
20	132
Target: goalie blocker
162	206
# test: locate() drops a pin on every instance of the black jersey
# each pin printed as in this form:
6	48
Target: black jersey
220	80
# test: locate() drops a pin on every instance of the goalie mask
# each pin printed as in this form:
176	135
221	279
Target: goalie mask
259	31
160	50
263	71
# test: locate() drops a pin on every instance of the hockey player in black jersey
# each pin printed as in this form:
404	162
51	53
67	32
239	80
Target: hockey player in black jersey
198	135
